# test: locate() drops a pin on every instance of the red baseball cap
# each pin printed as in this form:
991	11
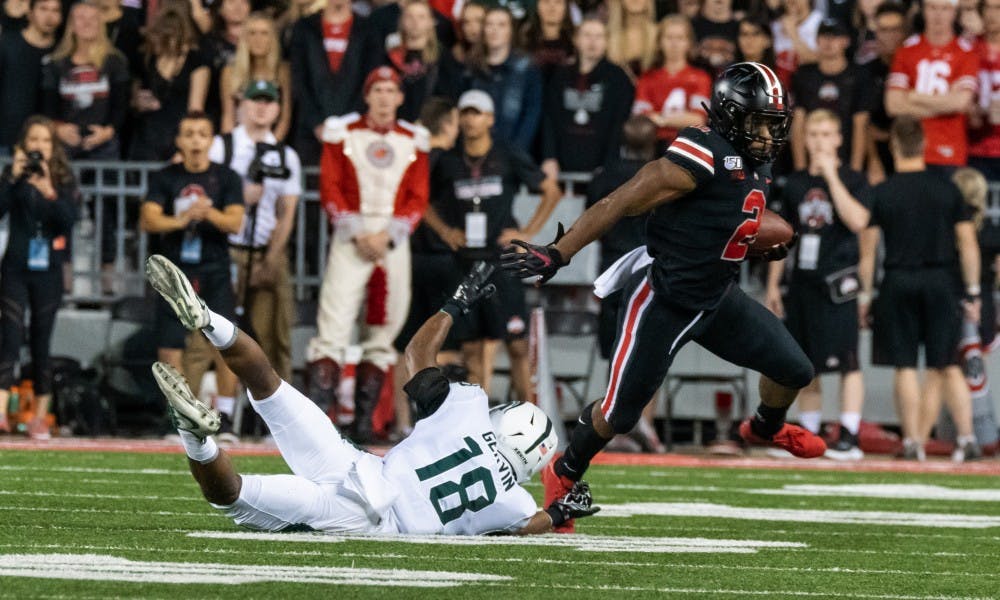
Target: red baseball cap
382	74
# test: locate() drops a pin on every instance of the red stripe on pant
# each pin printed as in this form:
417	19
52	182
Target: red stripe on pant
624	350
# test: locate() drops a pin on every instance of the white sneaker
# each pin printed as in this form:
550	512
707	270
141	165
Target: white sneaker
186	411
167	279
966	449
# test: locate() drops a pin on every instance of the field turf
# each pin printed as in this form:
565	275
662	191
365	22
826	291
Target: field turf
118	524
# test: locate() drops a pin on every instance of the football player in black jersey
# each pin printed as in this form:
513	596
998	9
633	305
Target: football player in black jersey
707	194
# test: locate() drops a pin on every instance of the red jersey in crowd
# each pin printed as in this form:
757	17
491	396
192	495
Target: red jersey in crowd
984	142
335	38
659	91
937	70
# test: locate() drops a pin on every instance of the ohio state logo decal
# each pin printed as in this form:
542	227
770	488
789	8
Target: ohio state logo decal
380	154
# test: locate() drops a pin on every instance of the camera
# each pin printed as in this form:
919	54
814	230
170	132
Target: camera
34	166
258	170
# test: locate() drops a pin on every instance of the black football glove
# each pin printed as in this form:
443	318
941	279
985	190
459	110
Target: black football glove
540	261
576	504
779	252
472	289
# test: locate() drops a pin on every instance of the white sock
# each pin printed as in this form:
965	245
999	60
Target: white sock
220	331
851	421
811	419
203	451
225	405
965	439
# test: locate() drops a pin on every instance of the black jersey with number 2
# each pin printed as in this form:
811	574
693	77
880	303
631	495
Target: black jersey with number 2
698	241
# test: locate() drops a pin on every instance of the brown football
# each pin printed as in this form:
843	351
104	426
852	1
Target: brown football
773	230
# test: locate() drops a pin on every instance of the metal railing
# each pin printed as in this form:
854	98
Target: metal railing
109	248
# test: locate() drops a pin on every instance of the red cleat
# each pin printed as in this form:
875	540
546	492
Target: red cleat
556	487
796	440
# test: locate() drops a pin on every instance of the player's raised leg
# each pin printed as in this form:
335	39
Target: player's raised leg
307	440
196	422
745	333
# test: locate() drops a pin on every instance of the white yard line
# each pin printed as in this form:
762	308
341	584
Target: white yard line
588	543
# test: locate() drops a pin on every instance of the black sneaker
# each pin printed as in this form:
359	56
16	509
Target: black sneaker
845	448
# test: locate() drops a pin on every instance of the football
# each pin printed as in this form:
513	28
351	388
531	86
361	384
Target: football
773	230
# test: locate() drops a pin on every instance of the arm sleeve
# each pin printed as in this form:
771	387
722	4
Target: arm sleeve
414	194
156	191
332	174
691	151
61	212
428	390
50	102
900	74
966	73
308	108
526	171
119	93
293	185
531	111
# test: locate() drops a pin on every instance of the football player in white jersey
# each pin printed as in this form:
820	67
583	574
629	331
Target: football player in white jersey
457	473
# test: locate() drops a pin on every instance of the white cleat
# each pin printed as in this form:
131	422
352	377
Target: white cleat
167	279
186	411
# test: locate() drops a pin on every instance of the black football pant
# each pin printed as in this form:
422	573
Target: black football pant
42	291
651	332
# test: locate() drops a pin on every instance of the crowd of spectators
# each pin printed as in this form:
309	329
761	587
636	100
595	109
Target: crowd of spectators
555	81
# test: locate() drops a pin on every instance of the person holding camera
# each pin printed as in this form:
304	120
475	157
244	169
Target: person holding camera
194	205
272	184
39	193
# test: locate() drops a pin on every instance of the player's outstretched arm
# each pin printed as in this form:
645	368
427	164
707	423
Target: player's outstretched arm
656	183
576	504
421	353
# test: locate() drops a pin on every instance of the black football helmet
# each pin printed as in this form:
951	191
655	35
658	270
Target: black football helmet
746	99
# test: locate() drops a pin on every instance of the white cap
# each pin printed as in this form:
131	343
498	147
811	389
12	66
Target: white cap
476	99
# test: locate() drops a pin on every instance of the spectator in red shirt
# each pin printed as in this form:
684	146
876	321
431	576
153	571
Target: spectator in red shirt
984	147
672	95
934	78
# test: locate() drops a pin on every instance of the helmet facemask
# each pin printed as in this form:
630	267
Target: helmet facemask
764	134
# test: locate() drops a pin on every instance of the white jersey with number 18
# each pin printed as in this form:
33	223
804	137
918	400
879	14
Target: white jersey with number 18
449	477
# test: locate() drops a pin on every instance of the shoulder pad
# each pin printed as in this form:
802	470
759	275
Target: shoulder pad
421	136
911	41
335	128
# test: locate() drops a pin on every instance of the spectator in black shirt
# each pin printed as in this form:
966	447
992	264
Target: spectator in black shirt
219	47
864	46
755	42
423	63
173	80
41	199
332	52
123	25
14	15
470	31
586	104
21	53
838	85
890	31
930	252
85	87
385	20
194	204
825	203
716	31
473	188
638	148
547	35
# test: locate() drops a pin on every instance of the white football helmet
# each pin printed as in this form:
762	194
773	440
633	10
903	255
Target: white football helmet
526	438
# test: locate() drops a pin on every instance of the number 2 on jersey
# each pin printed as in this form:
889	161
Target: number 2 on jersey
744	235
459	489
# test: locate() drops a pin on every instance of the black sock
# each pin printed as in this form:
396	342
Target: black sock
584	444
768	420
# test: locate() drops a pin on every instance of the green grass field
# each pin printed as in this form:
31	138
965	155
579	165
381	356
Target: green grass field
101	525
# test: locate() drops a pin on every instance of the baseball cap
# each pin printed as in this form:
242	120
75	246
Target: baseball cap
831	26
261	88
381	74
476	99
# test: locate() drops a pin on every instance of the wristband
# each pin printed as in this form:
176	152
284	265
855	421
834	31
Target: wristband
556	515
864	297
452	309
973	290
